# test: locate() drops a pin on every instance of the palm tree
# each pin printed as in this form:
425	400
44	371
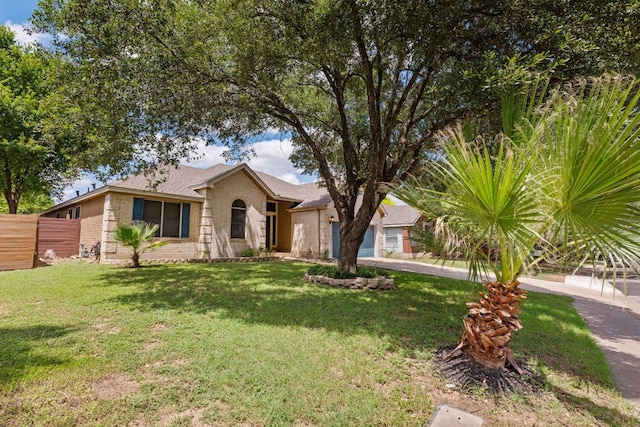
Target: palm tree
564	176
136	236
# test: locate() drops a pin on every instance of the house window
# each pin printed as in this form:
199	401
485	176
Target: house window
73	213
391	239
238	219
172	219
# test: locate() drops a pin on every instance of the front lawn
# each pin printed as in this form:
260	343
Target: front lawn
253	344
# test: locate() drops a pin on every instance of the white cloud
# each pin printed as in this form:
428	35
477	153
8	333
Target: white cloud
272	157
206	156
24	38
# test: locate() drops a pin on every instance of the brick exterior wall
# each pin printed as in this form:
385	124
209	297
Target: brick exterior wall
406	240
311	233
118	209
215	231
91	221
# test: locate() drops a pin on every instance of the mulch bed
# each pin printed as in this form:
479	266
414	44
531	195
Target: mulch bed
470	376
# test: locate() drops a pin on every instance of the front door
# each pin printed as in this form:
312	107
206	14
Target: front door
271	240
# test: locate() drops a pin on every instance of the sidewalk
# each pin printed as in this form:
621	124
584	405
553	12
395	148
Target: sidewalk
612	318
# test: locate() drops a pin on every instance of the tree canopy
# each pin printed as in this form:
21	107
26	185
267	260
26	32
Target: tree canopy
37	135
362	86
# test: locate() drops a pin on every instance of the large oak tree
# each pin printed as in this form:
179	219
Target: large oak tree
29	163
363	86
43	132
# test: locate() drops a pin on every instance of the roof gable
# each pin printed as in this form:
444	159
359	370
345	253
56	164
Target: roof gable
400	216
226	171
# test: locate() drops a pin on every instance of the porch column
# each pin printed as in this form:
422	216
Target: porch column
205	237
108	245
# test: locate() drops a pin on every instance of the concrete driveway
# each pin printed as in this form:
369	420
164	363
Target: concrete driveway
612	318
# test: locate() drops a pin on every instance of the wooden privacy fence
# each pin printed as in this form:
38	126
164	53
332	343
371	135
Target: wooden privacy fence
18	241
61	235
24	238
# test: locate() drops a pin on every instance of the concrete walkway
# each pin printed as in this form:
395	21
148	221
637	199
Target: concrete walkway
614	320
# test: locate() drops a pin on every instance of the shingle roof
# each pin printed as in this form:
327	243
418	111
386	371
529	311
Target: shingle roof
173	180
403	215
182	180
286	190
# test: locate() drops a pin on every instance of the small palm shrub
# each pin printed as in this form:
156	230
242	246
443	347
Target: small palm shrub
137	236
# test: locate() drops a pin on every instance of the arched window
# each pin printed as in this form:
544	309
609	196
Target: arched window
238	217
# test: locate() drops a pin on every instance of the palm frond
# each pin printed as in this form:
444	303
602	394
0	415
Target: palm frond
568	178
592	152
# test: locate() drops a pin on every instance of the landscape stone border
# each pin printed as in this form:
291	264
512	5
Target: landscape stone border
376	283
210	260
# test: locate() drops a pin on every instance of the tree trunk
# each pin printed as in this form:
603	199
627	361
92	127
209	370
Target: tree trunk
490	323
12	202
351	237
13	206
136	259
348	255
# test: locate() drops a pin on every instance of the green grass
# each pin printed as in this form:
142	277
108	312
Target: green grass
253	344
457	263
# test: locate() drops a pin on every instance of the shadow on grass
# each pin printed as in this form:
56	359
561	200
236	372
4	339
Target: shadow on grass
607	415
424	313
20	347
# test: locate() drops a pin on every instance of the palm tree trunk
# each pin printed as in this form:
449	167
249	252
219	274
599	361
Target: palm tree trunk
136	259
490	323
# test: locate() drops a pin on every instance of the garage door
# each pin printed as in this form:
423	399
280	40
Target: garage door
366	248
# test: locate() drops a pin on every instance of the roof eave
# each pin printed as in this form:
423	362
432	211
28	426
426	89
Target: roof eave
116	189
75	200
123	190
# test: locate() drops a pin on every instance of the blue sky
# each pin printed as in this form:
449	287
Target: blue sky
17	11
272	150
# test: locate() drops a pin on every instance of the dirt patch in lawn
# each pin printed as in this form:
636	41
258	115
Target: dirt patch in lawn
194	417
152	346
159	327
114	386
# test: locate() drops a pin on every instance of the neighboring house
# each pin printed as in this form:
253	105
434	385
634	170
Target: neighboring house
212	213
398	224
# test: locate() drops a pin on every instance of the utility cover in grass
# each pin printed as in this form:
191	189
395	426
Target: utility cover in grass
448	416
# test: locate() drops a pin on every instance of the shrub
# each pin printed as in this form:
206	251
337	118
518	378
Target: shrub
248	253
252	252
333	272
137	236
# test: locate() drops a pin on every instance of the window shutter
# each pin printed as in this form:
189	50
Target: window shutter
186	211
138	209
